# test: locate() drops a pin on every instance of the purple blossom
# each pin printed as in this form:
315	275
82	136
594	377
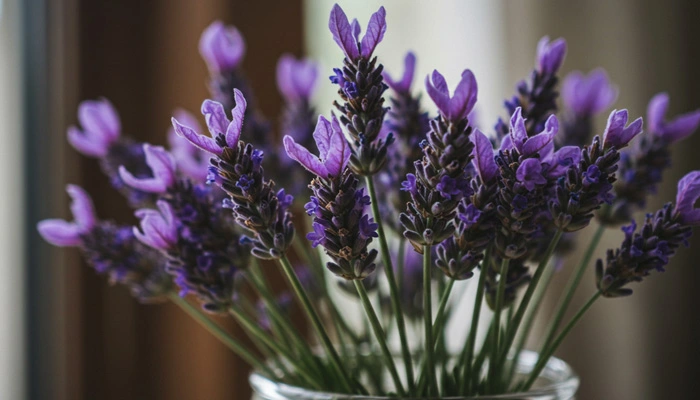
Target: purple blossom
218	124
296	79
540	143
62	233
409	185
588	95
678	128
450	187
190	160
222	47
404	85
529	173
469	215
162	166
334	150
484	161
101	128
550	55
347	35
616	134
312	207
368	228
561	160
159	229
687	197
461	103
318	236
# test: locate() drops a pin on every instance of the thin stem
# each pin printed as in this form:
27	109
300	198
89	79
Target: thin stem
438	325
379	335
530	318
515	324
544	357
428	321
400	265
572	285
220	334
500	294
315	321
393	289
471	338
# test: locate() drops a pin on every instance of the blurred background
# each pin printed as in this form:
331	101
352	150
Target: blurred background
66	334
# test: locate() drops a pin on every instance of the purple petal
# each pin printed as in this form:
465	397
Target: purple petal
233	132
656	112
506	143
404	85
82	208
150	185
161	163
296	80
205	143
518	133
529	173
682	126
550	56
59	232
301	155
543	139
100	118
190	160
688	195
339	151
375	32
86	144
159	229
222	47
356	29
462	103
342	33
440	97
322	136
560	161
615	132
215	117
483	157
588	95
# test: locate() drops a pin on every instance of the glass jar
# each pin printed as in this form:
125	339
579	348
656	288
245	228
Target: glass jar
556	382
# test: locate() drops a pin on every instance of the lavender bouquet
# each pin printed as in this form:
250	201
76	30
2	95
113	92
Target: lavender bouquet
499	208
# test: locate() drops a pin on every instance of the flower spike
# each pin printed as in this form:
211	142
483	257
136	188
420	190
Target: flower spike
346	35
462	101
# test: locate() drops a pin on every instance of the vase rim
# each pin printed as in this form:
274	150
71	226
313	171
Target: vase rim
564	381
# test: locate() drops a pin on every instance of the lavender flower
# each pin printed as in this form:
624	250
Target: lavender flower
679	128
101	138
588	185
238	169
162	167
223	49
537	99
459	255
651	248
191	161
159	229
341	225
440	182
584	97
361	88
296	80
110	249
409	123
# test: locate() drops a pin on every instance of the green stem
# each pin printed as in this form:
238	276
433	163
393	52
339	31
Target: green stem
315	321
517	319
251	326
220	334
379	335
471	338
572	285
530	318
438	325
393	289
428	321
500	294
544	357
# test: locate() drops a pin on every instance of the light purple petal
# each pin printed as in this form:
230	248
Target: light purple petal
440	98
205	143
656	112
215	117
233	132
322	136
550	56
560	161
301	155
150	185
296	79
404	85
356	29
82	208
483	157
222	47
375	32
682	126
161	163
543	139
464	98
339	151
506	143
687	197
588	95
440	83
518	133
99	118
342	32
59	232
85	144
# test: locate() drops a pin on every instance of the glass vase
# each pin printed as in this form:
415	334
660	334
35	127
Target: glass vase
557	381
